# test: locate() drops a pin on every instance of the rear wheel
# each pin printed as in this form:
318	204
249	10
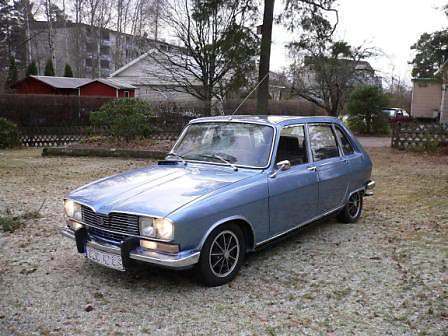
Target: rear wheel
352	210
222	255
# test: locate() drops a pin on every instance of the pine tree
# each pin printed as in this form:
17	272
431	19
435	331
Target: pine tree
31	70
68	71
49	69
12	72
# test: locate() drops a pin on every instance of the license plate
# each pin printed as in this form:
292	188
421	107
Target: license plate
103	258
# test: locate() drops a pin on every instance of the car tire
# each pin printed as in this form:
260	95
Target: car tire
222	255
352	209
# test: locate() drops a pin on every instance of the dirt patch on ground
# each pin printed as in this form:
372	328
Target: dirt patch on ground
386	275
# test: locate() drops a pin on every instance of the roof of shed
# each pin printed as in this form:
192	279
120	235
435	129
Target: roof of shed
63	82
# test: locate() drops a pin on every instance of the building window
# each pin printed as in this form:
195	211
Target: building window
105	50
88	62
105	35
90	47
126	93
105	64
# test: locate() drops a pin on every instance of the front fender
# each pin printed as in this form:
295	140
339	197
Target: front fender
245	200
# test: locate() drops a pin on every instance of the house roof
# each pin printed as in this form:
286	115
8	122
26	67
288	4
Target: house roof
62	82
358	65
153	68
115	83
128	65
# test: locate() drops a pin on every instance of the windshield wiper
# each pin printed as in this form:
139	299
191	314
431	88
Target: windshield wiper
214	156
180	157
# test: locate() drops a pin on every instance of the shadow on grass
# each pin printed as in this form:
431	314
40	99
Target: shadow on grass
145	276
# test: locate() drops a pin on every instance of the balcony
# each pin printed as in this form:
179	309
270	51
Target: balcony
107	43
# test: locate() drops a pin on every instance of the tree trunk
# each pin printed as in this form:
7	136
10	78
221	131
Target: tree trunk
265	56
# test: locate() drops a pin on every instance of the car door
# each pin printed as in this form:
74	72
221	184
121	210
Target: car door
332	169
355	159
293	193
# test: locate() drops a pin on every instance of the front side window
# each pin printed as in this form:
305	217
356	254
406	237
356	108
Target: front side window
291	145
323	143
347	148
238	143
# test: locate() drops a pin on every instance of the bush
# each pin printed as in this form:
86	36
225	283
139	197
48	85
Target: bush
68	72
9	135
125	118
365	110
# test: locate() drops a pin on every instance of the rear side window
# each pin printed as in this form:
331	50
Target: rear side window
323	142
347	147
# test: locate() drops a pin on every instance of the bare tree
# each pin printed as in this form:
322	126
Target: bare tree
217	50
48	12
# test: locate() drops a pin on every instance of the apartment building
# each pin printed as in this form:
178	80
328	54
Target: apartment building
91	51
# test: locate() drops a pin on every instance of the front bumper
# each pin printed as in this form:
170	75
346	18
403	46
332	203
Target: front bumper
180	260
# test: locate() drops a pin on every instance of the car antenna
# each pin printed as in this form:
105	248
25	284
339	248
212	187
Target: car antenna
244	100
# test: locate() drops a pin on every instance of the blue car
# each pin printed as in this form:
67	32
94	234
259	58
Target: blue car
230	185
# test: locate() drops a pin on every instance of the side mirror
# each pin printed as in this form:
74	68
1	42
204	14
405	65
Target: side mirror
282	165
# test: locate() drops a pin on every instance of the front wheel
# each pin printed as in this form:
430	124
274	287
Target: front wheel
222	255
352	210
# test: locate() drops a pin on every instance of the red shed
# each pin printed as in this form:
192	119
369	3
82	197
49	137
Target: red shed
50	85
107	87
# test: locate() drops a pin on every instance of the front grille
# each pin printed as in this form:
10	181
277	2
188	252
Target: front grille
120	223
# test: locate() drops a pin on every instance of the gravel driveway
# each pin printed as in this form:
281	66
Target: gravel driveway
375	141
386	275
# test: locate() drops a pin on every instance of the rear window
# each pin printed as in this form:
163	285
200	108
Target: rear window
323	143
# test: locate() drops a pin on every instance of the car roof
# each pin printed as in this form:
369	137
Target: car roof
273	120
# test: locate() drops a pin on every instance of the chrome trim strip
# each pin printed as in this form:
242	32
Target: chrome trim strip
230	121
179	260
278	235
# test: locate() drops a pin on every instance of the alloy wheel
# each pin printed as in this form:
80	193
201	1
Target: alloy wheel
354	205
224	253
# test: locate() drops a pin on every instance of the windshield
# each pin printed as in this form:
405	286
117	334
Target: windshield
237	143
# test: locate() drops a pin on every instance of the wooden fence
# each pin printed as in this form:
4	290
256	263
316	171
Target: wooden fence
169	126
416	135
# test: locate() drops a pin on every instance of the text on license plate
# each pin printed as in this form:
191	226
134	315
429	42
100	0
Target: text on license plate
106	259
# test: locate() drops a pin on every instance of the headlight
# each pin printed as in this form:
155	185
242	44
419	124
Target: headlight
164	228
146	226
72	209
161	228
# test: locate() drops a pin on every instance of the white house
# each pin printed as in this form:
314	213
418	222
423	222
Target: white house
153	81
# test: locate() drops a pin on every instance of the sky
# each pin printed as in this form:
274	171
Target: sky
390	26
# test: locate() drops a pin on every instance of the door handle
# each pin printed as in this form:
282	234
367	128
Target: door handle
313	168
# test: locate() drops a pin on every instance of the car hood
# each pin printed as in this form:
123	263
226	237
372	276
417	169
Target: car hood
156	190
